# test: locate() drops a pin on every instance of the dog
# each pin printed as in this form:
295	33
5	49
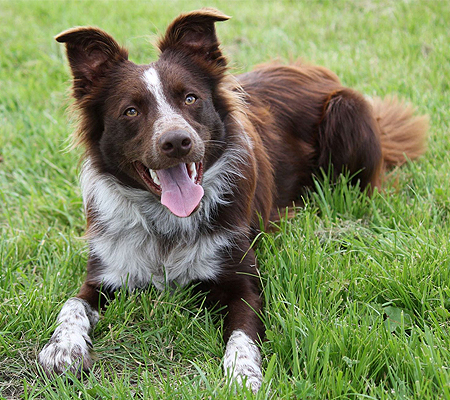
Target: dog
184	163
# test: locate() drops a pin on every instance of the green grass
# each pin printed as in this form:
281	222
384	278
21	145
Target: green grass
356	290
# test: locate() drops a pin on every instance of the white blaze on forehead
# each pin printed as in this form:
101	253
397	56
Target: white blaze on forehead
154	85
168	117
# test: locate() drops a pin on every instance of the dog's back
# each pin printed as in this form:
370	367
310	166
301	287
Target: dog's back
308	121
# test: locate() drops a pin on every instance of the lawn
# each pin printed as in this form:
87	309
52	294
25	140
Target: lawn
356	289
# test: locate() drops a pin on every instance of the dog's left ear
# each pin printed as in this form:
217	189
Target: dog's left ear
195	33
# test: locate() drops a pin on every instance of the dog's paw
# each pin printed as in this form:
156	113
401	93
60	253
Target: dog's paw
248	375
242	361
67	350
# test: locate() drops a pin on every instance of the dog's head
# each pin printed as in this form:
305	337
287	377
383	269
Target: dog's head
156	126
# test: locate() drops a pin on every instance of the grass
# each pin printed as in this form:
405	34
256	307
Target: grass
356	289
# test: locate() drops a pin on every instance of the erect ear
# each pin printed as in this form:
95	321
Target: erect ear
195	33
90	52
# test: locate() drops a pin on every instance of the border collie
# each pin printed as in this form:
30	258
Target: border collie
183	161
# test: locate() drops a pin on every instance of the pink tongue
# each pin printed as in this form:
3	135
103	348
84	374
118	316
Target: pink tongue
179	194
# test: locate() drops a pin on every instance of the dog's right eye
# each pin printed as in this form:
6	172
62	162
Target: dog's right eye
131	112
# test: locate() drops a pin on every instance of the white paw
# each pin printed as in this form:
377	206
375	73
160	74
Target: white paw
69	348
242	361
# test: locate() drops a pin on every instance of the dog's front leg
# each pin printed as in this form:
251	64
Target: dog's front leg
69	348
237	290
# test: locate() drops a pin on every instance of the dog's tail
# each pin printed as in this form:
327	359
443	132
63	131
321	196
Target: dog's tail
403	134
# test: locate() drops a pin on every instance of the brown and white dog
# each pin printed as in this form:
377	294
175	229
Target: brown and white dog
182	160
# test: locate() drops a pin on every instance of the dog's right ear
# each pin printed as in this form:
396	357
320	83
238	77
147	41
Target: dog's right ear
90	52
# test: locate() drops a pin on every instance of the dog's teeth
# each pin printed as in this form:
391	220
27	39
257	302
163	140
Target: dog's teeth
154	177
193	171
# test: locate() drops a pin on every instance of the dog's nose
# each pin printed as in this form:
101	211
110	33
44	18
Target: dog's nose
175	144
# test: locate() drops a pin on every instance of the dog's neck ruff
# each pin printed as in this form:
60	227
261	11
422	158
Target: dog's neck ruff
139	241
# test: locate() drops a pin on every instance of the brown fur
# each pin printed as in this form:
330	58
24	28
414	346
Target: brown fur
292	121
402	134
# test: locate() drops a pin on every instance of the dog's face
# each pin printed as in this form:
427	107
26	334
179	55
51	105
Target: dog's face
153	126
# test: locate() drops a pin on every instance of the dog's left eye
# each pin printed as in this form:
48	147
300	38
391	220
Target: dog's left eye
131	112
190	99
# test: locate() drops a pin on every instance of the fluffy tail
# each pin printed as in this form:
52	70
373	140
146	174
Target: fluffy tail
403	134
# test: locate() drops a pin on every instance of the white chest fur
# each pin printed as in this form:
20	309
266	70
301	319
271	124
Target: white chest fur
140	241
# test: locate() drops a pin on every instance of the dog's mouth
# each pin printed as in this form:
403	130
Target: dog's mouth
179	186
